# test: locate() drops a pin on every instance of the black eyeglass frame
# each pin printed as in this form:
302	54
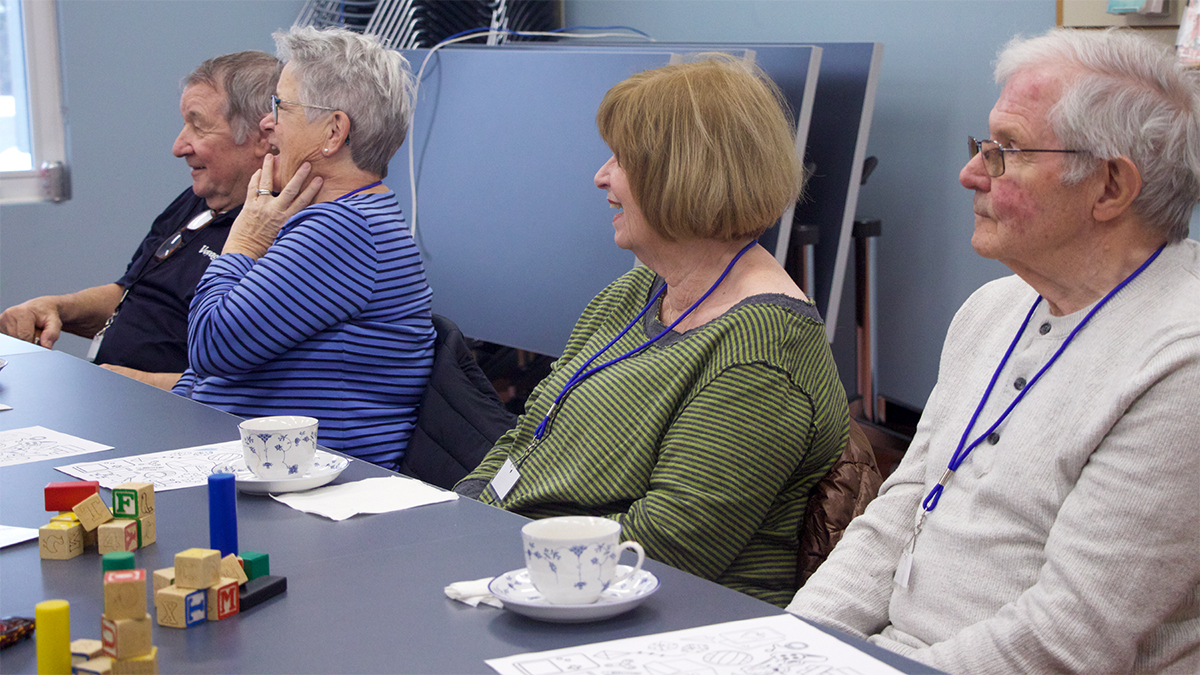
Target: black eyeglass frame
275	101
976	147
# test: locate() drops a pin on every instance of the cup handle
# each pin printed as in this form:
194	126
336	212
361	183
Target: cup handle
641	555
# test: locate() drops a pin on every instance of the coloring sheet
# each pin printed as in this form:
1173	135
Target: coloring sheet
777	645
33	444
168	470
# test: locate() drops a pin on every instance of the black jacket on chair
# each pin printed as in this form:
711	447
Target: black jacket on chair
460	416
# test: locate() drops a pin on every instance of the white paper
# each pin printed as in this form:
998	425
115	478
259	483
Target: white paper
372	495
773	644
170	470
33	444
5	407
10	535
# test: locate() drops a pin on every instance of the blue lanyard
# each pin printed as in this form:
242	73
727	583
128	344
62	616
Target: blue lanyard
583	373
354	192
963	450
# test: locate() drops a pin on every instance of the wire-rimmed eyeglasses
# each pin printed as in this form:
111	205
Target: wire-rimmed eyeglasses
993	154
275	101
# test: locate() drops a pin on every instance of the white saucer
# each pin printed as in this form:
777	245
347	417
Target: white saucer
326	466
516	591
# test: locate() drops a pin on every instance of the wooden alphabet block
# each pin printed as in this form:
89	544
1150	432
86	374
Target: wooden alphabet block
60	541
222	599
101	665
179	607
197	567
92	512
117	535
65	495
147	530
139	665
131	500
256	564
85	650
91	539
125	594
232	567
125	638
163	578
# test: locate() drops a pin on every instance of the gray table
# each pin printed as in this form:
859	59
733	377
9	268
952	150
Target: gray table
364	595
11	345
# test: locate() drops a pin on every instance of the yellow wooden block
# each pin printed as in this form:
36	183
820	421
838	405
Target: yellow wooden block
125	594
125	638
117	535
163	578
65	517
60	541
92	512
232	567
131	500
85	650
197	567
147	530
101	665
138	665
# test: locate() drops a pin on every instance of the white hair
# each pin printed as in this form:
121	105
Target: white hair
1132	98
248	80
373	85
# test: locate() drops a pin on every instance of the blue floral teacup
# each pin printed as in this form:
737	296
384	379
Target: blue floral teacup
280	447
572	559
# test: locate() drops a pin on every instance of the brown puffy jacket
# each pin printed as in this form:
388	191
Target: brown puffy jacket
842	494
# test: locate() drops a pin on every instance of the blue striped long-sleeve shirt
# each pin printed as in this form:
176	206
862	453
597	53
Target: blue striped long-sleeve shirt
333	322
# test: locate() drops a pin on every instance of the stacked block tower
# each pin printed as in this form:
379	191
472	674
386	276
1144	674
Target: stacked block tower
84	520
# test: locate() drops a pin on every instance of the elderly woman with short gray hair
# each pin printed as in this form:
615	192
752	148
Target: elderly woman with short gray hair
318	304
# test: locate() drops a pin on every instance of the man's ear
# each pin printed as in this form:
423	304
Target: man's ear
1122	184
261	145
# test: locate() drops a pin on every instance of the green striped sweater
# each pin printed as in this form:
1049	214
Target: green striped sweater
704	447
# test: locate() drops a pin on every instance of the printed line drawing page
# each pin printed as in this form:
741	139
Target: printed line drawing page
33	444
772	645
170	470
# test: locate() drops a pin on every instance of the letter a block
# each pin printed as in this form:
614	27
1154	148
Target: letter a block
222	599
125	638
181	607
197	567
125	594
60	541
117	535
232	567
92	512
131	500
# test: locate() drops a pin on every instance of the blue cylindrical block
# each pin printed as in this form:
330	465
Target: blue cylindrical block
222	513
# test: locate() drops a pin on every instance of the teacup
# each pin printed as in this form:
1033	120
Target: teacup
572	559
279	447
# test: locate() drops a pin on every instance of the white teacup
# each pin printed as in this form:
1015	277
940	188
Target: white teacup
279	447
572	559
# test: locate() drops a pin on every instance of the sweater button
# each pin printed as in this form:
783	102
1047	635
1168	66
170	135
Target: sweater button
993	438
1019	383
1045	328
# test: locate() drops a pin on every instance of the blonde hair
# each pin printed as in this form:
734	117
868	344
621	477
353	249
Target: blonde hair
707	148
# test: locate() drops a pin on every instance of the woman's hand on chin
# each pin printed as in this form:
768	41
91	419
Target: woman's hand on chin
263	214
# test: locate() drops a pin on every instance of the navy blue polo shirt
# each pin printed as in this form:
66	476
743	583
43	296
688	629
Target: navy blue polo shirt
150	330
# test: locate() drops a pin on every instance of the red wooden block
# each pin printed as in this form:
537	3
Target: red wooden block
64	496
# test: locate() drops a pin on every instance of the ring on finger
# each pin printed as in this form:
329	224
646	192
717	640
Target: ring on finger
263	192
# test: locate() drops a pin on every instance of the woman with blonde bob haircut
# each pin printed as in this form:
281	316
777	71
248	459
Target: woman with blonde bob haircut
696	401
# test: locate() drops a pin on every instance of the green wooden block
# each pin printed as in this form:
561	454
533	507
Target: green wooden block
255	564
117	560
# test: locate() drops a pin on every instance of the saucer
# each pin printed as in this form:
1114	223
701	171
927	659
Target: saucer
326	466
516	591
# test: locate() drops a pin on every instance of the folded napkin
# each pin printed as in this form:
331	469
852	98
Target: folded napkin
372	495
473	592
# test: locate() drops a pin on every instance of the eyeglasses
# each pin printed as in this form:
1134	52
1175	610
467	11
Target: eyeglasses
993	154
275	101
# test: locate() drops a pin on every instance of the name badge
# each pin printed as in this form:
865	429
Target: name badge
505	479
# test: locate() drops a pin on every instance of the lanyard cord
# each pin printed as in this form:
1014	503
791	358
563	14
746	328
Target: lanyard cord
961	453
583	373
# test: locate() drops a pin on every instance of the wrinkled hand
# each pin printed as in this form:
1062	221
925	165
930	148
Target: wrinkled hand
161	380
262	216
35	321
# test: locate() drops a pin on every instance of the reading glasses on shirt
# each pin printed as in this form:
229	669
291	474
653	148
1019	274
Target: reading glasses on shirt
275	101
993	154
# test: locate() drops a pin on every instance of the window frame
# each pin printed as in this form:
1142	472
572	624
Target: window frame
43	77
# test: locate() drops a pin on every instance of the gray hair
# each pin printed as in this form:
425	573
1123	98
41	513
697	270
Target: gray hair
356	74
248	79
1133	98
